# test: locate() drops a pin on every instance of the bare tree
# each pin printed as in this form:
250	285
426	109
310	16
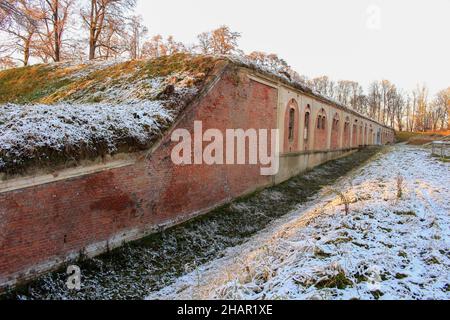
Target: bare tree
399	105
98	14
219	41
8	10
358	100
204	42
21	25
157	47
386	91
54	16
421	117
343	90
6	63
323	85
441	109
374	100
154	48
134	37
112	42
174	46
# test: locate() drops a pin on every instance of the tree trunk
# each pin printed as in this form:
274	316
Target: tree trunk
26	54
91	49
92	26
56	30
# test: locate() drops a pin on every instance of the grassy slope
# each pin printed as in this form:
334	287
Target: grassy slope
419	138
30	84
52	83
95	83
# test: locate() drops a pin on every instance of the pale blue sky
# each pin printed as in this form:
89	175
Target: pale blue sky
341	39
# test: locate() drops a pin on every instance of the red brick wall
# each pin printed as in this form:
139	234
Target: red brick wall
335	136
346	133
308	127
51	220
355	136
361	136
320	133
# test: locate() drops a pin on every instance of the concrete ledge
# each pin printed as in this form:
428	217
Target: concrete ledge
31	181
308	152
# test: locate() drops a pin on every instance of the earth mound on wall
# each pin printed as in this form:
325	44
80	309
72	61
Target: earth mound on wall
52	114
58	114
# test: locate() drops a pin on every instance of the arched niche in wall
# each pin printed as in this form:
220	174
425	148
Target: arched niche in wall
346	133
320	133
291	126
365	135
335	132
361	135
355	133
307	127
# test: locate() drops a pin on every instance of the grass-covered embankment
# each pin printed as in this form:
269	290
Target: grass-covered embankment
91	82
54	116
419	138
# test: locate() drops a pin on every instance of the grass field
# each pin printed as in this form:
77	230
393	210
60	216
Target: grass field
420	138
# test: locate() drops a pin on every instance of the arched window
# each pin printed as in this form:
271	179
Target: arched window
347	133
320	136
321	120
307	126
355	134
335	125
291	124
335	134
291	137
307	123
307	115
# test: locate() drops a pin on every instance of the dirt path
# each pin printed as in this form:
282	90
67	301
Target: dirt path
393	244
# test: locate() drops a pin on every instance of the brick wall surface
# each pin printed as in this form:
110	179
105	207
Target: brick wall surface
50	220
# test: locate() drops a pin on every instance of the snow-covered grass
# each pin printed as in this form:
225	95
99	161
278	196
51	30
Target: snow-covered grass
38	132
72	112
391	245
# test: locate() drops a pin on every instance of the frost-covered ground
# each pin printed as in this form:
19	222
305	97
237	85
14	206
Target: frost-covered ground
394	243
